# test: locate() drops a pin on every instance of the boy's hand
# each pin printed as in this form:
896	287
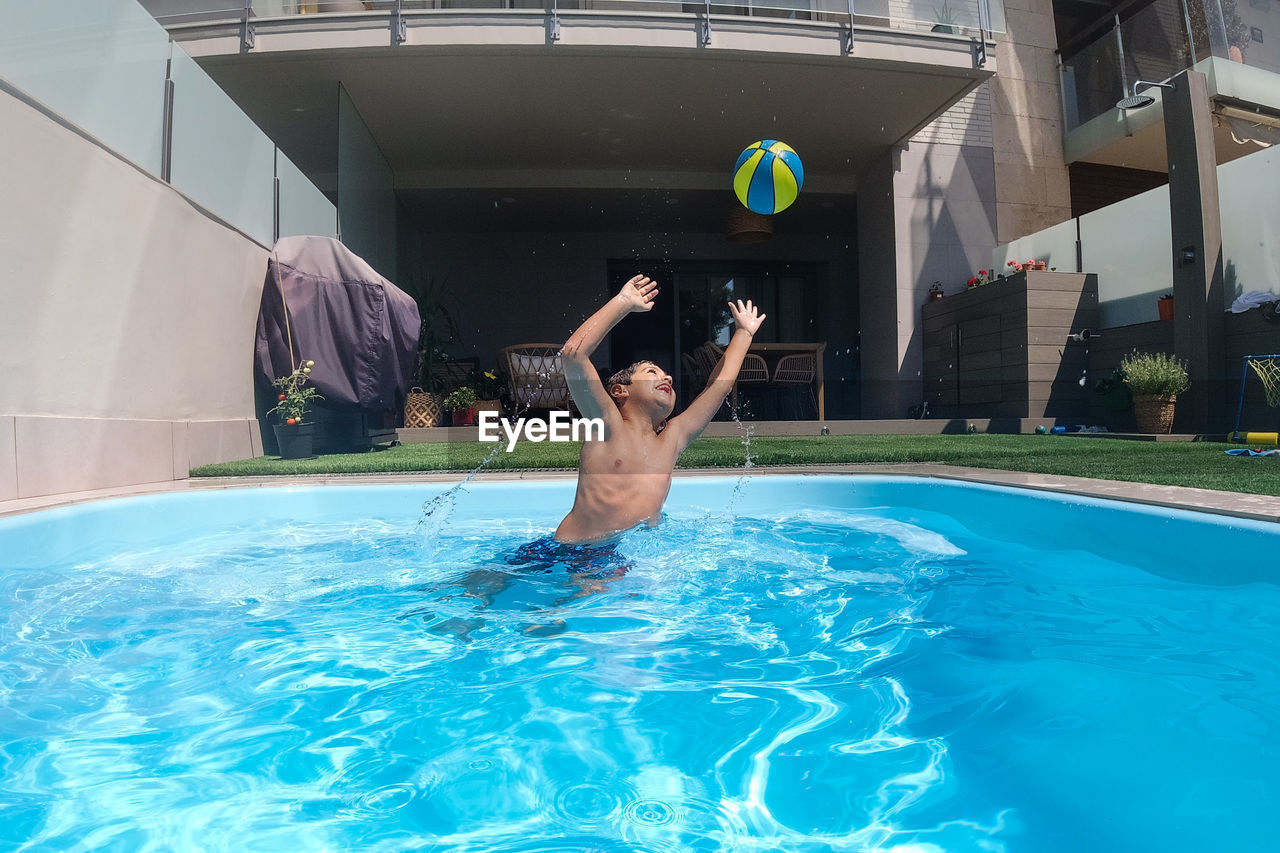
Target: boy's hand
638	293
745	316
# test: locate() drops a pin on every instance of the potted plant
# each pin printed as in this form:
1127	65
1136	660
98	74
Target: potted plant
488	386
982	278
1154	380
294	433
1165	306
423	405
946	19
461	404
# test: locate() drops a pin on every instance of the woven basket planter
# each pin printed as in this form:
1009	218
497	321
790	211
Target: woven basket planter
422	409
1153	413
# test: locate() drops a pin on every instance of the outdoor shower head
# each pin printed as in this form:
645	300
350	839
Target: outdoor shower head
1135	100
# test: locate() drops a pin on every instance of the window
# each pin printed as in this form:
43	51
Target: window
1256	34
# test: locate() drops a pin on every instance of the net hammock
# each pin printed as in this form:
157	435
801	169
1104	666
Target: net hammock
1269	372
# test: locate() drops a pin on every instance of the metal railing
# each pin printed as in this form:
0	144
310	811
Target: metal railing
950	17
1155	39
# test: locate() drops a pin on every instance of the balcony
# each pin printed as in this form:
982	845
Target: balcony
1235	42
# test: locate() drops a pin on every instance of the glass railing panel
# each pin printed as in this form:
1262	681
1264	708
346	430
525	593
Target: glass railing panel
1092	81
99	64
1155	43
170	12
1250	212
221	160
939	16
1055	245
944	16
1128	245
303	208
1244	31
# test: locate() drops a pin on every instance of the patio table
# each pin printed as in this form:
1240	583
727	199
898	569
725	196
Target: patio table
773	351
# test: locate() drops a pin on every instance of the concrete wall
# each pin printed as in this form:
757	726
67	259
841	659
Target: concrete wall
926	213
126	319
538	287
1026	115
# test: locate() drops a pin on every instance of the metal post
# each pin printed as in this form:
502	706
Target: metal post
704	26
275	197
247	35
553	22
166	121
1124	75
399	30
984	25
848	34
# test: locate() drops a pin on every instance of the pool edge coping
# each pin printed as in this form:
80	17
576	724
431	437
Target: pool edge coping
1232	504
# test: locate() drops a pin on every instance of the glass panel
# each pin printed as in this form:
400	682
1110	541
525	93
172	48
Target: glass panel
939	16
170	12
1055	245
366	197
1155	42
303	208
100	64
221	159
1250	209
1092	81
1128	245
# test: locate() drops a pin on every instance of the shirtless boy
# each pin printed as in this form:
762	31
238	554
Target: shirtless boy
623	480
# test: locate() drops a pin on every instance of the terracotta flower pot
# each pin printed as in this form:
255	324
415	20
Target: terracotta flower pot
1165	306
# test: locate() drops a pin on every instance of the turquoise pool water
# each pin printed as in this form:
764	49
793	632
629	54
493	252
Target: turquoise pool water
804	664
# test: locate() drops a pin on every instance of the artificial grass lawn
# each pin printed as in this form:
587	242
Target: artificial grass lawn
1198	464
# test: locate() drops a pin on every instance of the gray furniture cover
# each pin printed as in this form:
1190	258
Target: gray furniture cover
359	329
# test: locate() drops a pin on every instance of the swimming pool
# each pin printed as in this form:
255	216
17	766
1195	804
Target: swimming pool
786	663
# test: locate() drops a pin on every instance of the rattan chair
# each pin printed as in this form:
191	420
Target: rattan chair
796	372
536	374
754	370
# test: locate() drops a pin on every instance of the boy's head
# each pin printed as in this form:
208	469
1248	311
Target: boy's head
643	383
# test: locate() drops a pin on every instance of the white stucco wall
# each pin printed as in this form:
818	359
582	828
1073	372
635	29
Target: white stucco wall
126	318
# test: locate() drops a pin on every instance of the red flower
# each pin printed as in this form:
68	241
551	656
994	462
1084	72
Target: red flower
982	272
972	282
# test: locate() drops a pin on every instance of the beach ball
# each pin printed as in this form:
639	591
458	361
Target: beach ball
768	176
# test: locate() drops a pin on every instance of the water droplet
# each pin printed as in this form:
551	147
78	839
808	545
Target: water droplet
649	813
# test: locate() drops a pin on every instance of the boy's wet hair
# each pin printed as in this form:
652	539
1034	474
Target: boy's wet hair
623	377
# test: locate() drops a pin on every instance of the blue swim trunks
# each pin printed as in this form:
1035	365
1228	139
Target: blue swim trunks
547	555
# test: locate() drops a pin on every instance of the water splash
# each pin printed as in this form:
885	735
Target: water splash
747	432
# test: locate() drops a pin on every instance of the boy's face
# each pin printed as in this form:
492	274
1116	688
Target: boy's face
652	387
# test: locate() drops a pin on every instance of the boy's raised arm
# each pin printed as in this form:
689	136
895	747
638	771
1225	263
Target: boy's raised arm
584	384
690	424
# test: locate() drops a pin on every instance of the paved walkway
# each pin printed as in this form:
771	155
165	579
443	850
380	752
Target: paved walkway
1259	507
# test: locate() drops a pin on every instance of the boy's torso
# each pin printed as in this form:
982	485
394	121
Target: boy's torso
622	481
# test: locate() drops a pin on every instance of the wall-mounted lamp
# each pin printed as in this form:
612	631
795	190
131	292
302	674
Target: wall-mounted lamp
1135	100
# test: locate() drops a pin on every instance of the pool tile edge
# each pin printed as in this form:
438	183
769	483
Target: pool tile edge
1236	504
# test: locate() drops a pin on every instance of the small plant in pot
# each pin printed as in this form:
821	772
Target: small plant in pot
1155	380
294	433
488	385
461	404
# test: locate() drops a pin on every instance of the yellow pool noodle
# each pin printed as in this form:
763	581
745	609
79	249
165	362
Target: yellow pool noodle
1261	438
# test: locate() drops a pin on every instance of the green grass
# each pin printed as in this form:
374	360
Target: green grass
1201	465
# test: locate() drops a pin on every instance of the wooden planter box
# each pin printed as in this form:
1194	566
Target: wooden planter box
1002	350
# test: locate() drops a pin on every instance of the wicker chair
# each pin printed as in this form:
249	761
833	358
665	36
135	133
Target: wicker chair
754	370
536	374
796	372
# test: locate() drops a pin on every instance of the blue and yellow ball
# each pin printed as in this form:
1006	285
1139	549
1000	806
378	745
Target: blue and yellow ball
768	176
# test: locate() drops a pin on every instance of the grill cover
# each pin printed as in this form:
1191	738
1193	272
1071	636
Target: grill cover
359	329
